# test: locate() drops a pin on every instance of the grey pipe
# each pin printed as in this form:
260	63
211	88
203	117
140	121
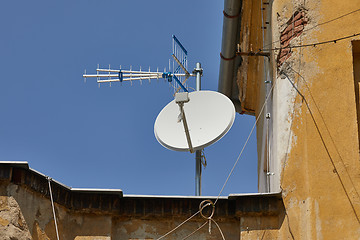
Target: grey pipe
198	169
230	37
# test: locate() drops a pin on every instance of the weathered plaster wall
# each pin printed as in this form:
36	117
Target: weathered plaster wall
316	135
251	68
38	221
26	212
315	138
93	225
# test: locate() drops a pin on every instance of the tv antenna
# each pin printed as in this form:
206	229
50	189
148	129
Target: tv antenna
177	77
189	103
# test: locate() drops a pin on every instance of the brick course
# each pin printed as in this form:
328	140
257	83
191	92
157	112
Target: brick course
294	28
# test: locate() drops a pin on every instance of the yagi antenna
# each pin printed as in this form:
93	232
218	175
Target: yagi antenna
179	73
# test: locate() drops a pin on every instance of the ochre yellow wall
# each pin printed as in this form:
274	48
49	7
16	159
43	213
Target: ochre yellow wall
316	143
251	69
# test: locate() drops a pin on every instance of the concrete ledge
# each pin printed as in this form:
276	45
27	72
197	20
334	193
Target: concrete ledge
20	174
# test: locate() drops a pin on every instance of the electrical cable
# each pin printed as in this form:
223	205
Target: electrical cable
332	140
326	148
209	219
53	208
323	23
222	235
171	231
311	44
195	230
334	19
246	142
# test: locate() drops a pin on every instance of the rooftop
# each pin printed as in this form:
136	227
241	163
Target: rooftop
113	201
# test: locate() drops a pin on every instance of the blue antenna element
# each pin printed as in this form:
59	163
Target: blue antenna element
180	57
179	43
178	81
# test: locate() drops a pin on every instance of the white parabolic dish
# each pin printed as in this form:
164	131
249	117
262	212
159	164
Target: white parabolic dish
209	116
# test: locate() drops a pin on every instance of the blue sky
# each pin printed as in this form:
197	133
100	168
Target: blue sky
85	136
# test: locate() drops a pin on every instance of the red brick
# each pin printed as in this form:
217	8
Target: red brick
298	16
298	34
287	29
299	29
283	38
285	43
284	52
299	22
282	59
290	35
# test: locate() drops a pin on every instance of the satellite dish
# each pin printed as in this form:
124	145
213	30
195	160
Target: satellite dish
209	116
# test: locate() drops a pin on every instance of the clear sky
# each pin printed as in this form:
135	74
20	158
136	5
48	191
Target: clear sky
85	136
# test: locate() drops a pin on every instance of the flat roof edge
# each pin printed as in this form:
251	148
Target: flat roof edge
98	190
173	196
20	164
232	196
25	165
271	194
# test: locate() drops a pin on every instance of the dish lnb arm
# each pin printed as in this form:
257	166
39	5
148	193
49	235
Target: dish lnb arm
180	99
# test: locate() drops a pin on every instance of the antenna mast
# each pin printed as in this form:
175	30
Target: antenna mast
198	158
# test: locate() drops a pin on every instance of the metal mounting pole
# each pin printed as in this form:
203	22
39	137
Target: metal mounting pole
198	71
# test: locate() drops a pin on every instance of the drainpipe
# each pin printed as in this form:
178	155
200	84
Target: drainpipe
230	35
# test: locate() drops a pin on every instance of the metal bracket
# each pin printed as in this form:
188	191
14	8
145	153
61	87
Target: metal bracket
196	70
180	99
203	159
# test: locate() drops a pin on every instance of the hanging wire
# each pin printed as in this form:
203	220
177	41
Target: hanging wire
328	131
209	219
326	148
178	226
246	142
222	235
203	225
323	23
53	208
311	44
